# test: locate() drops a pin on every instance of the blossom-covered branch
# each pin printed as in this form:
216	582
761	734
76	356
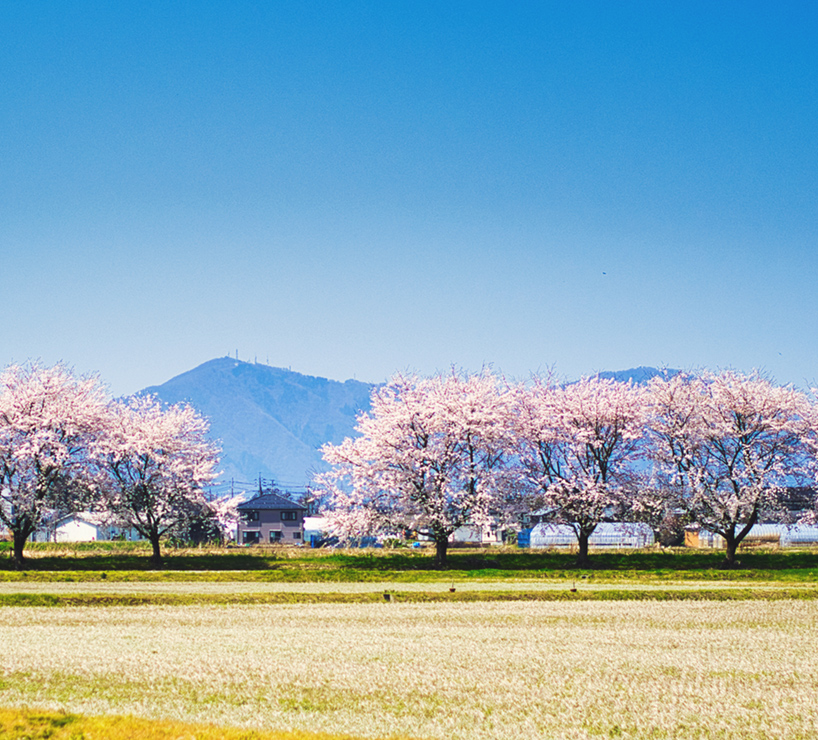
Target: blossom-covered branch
431	456
50	425
157	461
578	445
728	444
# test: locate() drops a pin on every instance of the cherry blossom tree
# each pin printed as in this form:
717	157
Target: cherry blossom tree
50	422
225	514
431	456
213	520
157	462
727	444
809	503
578	446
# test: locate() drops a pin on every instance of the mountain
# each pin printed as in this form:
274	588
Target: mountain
271	421
638	375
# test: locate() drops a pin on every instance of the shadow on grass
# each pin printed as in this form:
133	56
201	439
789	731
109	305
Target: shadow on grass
369	564
510	562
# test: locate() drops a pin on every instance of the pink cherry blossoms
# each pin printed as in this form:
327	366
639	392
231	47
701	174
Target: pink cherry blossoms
156	461
64	447
578	446
431	456
50	423
727	445
434	454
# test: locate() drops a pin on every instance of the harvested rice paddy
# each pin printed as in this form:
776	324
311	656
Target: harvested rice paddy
483	670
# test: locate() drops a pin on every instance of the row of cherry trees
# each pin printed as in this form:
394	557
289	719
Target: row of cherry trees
434	454
64	447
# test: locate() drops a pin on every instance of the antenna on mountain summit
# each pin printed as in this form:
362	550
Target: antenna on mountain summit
237	354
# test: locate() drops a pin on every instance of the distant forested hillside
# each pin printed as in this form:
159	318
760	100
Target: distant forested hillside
271	421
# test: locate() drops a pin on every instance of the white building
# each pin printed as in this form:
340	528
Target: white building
783	535
84	527
472	534
316	529
606	534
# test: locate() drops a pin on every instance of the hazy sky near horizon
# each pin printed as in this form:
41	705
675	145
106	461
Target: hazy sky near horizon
357	188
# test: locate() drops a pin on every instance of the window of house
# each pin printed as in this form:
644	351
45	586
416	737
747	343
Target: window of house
296	535
250	516
250	538
289	516
275	536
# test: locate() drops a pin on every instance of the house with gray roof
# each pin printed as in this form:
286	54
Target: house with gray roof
270	519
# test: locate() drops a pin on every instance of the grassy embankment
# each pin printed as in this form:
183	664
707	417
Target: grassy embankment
119	574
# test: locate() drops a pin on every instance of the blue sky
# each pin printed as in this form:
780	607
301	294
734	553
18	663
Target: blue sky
357	188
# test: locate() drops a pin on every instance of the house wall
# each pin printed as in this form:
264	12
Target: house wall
269	520
80	530
84	528
76	530
474	534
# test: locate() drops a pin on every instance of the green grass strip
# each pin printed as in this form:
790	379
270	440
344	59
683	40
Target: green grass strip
113	556
618	594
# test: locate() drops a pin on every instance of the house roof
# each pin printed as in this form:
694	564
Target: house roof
270	501
89	517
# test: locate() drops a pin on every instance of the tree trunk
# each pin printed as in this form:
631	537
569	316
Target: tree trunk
20	538
733	540
730	552
156	555
731	543
582	556
441	550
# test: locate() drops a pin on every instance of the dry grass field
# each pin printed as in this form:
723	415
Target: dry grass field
490	670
